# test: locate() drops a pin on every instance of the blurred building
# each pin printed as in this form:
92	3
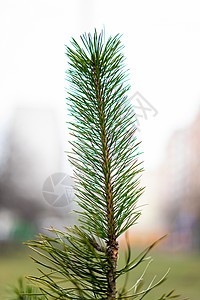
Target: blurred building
179	188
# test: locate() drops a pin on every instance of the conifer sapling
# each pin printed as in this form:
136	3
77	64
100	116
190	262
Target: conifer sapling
81	262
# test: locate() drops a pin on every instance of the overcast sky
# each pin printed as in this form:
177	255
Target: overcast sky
162	46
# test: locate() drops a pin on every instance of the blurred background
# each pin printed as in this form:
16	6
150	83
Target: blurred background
162	46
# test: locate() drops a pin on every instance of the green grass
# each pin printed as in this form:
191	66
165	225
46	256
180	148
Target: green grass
13	266
184	275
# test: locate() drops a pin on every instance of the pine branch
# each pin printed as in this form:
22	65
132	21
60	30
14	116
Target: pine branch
104	130
106	133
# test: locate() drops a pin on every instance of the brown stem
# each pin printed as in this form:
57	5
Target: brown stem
112	244
113	256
